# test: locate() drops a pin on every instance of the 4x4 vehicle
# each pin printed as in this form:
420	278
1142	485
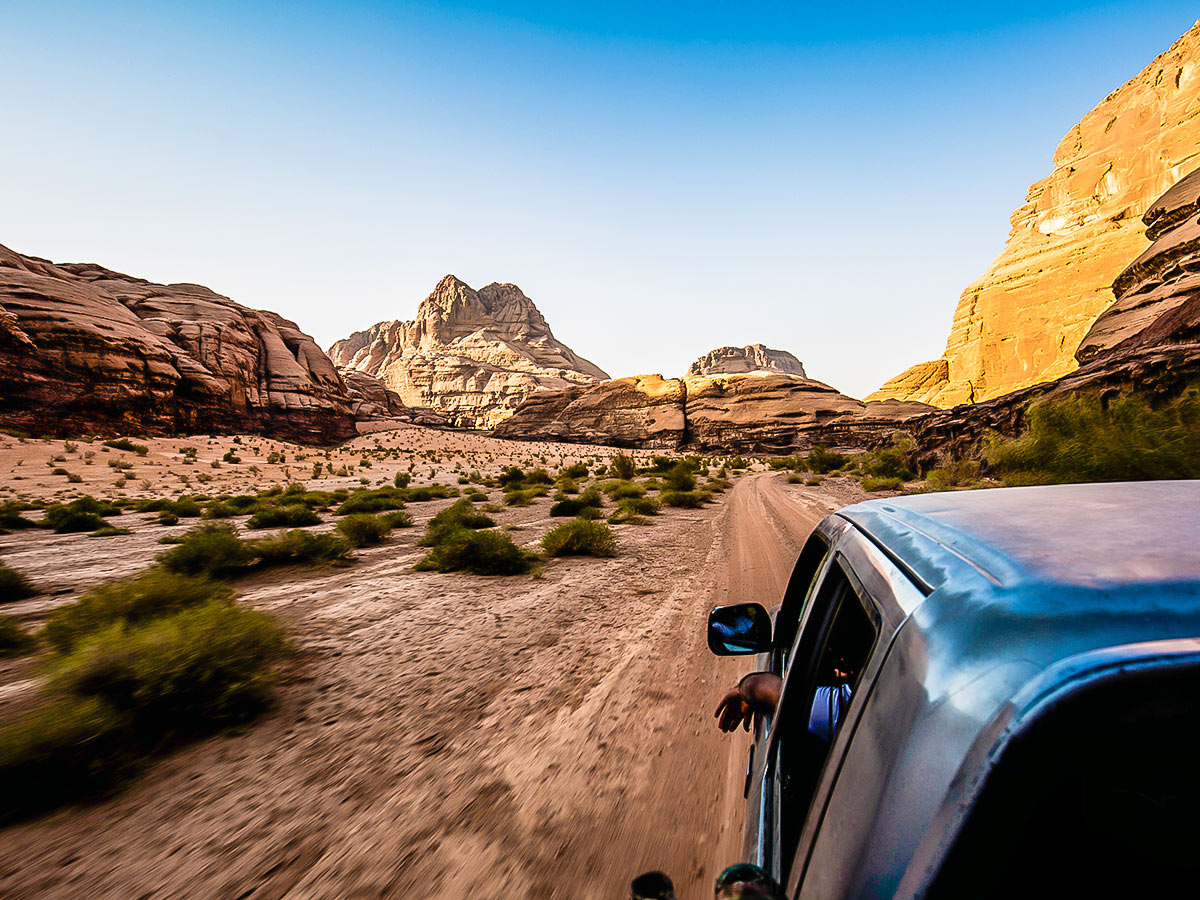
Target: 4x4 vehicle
1023	674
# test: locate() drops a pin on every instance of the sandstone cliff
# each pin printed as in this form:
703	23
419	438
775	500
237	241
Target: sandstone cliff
85	349
472	356
755	412
752	358
1023	320
1147	343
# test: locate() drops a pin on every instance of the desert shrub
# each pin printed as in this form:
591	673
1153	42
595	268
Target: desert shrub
289	515
782	463
62	752
11	518
680	478
219	509
462	514
568	507
891	461
619	490
397	519
302	546
622	467
477	496
1079	439
243	503
83	514
822	460
592	497
156	592
77	521
525	496
683	499
432	492
166	517
361	529
511	476
201	668
14	640
14	585
478	552
402	479
538	476
231	457
591	512
580	538
661	465
796	478
952	473
871	483
128	445
212	549
109	531
575	472
642	506
815	481
566	487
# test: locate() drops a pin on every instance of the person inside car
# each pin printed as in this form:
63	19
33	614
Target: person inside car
759	692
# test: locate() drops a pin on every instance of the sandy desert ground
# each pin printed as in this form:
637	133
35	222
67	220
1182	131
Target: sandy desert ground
455	735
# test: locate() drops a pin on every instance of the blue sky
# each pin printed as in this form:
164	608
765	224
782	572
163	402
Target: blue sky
661	179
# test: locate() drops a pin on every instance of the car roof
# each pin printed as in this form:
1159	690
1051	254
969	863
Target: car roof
1131	534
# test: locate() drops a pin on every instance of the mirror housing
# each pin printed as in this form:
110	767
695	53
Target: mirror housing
740	629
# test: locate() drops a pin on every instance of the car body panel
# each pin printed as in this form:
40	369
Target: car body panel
989	602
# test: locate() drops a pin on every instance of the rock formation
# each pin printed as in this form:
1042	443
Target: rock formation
1147	343
752	358
85	349
472	356
1023	320
760	411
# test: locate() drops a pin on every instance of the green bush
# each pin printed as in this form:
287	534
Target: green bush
891	461
154	593
84	514
62	752
109	531
512	477
289	515
77	521
568	507
126	444
580	538
1078	439
680	478
397	519
302	546
592	497
591	512
166	517
402	479
14	640
951	474
212	549
622	467
575	472
478	552
524	497
361	529
871	483
14	585
641	506
375	501
620	490
219	509
11	518
462	514
821	460
684	499
181	675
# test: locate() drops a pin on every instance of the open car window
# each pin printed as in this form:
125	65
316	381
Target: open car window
827	661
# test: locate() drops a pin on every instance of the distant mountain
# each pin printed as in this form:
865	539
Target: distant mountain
751	358
1021	322
472	356
87	350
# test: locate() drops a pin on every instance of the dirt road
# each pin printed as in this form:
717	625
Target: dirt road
466	737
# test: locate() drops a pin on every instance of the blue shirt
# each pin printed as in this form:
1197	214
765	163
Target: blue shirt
829	703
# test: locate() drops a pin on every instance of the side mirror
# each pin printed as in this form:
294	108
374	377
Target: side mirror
652	886
739	629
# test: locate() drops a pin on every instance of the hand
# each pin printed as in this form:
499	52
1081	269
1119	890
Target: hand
732	711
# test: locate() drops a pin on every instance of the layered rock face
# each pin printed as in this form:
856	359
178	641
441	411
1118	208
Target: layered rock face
1146	343
752	358
85	349
1023	320
754	412
471	356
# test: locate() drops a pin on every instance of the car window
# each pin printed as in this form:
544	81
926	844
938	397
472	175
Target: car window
827	661
796	596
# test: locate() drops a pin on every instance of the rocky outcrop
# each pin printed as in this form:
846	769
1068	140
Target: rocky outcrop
85	349
1147	343
751	358
471	356
1023	320
755	412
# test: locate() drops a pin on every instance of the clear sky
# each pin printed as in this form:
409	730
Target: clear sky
660	178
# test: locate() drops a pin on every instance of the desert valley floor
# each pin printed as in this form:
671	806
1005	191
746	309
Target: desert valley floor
525	736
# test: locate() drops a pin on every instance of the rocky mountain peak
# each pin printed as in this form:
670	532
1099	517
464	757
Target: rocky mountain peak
751	358
472	356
